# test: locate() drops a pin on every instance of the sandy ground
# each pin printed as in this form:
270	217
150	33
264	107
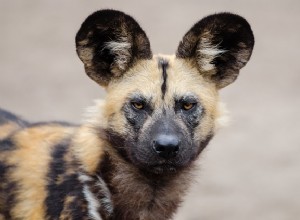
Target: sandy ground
251	170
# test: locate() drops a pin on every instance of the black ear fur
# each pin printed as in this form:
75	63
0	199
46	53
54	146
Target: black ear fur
108	43
221	44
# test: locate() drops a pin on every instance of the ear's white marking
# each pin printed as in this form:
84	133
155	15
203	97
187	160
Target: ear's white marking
207	53
121	50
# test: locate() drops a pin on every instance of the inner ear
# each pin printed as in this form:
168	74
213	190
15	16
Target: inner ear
221	44
108	43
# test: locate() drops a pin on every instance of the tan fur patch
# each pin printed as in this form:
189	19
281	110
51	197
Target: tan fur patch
88	148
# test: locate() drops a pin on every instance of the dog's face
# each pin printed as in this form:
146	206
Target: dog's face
161	111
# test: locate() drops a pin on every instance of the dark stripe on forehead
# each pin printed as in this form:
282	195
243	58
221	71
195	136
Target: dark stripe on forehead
163	64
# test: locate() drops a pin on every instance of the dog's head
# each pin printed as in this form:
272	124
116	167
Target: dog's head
161	111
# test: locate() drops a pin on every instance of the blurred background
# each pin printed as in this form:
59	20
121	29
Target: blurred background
251	169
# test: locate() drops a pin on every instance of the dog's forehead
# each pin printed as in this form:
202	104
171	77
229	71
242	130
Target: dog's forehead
162	78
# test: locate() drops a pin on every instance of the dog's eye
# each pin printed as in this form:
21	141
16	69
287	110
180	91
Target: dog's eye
188	106
137	105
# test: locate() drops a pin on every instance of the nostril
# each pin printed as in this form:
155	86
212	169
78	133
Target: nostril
166	146
160	148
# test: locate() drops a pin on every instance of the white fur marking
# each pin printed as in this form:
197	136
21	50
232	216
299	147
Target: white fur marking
207	53
121	50
84	178
116	47
93	203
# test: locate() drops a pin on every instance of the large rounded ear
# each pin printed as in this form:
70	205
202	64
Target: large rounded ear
108	43
220	44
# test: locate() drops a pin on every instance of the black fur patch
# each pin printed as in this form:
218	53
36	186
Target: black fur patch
137	117
191	117
56	192
163	64
6	145
106	169
2	170
62	184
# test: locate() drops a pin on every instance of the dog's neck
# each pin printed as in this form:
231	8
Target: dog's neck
137	195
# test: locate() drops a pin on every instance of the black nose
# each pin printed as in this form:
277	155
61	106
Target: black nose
166	146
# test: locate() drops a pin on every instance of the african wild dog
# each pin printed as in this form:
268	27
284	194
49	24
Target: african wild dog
134	155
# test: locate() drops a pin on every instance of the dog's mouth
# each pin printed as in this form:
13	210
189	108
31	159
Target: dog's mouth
163	169
160	166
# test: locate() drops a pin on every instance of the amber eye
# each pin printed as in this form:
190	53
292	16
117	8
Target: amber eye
138	105
187	106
